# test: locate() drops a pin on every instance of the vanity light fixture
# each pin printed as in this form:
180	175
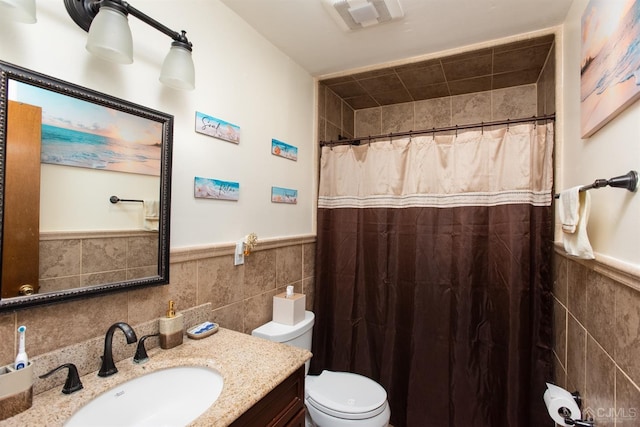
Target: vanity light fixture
110	38
19	10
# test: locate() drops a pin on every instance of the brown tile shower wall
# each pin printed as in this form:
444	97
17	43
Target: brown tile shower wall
513	102
335	117
547	85
597	338
236	297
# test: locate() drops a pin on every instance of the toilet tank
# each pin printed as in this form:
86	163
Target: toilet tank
298	335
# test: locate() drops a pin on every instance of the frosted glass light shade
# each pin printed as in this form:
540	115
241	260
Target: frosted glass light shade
110	36
178	71
19	10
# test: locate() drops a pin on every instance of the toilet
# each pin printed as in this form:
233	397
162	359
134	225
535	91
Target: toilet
333	399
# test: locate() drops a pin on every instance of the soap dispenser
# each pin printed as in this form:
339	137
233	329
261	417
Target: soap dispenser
171	328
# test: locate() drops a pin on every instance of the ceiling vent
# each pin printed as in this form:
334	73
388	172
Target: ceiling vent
357	14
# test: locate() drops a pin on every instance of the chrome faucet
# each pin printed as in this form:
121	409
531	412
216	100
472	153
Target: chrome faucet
108	366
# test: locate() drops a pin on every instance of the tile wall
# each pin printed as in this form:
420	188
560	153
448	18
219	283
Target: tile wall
597	338
547	85
72	260
335	118
499	104
236	297
340	119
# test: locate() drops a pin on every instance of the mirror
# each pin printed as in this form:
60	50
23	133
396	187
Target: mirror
85	182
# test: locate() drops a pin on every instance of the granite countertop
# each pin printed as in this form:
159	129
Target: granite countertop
251	367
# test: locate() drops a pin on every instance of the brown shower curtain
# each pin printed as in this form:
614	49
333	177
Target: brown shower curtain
433	274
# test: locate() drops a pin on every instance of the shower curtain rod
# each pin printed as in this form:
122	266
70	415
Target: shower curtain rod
357	141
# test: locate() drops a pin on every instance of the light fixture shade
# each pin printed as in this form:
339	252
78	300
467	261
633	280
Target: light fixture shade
19	10
178	71
110	36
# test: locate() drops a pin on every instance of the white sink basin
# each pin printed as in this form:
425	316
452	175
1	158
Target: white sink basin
169	397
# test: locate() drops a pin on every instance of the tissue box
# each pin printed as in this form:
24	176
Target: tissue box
288	311
16	390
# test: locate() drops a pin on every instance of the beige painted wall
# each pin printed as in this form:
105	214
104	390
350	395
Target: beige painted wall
614	229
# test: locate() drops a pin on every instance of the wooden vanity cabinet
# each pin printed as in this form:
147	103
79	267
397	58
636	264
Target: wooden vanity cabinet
283	406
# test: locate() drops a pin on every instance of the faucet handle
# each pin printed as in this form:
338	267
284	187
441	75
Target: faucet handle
141	352
73	382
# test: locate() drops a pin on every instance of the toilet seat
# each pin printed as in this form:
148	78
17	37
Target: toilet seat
346	395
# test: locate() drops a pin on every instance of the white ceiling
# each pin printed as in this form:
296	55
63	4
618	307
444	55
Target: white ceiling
305	31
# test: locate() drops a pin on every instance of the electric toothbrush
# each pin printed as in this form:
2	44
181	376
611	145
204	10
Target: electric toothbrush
21	359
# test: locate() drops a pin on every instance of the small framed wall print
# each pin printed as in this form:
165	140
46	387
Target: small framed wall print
281	149
284	195
208	188
217	128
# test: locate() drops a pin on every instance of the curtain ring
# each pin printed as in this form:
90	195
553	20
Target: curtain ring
456	131
481	128
433	135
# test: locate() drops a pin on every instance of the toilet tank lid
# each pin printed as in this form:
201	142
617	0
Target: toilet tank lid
280	332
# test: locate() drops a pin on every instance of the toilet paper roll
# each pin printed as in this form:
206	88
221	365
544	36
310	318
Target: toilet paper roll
556	398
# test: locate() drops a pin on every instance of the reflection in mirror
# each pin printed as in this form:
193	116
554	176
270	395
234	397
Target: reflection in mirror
67	152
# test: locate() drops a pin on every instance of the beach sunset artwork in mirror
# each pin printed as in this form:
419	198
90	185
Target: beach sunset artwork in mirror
610	61
83	134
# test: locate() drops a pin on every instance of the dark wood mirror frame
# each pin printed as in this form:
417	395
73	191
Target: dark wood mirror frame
11	72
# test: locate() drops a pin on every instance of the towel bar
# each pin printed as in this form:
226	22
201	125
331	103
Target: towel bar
628	181
116	199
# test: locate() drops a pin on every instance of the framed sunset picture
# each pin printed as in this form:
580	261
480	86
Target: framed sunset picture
83	132
610	62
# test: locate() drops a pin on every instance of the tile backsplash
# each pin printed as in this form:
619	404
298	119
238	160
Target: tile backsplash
204	283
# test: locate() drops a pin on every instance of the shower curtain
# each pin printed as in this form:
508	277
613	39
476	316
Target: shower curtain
433	273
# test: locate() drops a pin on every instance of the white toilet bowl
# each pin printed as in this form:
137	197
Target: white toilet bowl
337	399
333	399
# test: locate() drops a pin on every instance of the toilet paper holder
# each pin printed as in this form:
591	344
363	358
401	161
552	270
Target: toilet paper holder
566	414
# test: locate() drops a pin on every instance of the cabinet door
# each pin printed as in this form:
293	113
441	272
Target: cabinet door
278	408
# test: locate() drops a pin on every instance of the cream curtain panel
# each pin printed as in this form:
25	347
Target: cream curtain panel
509	165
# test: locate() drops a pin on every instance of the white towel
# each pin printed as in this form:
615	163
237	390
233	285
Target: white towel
575	238
151	215
568	209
